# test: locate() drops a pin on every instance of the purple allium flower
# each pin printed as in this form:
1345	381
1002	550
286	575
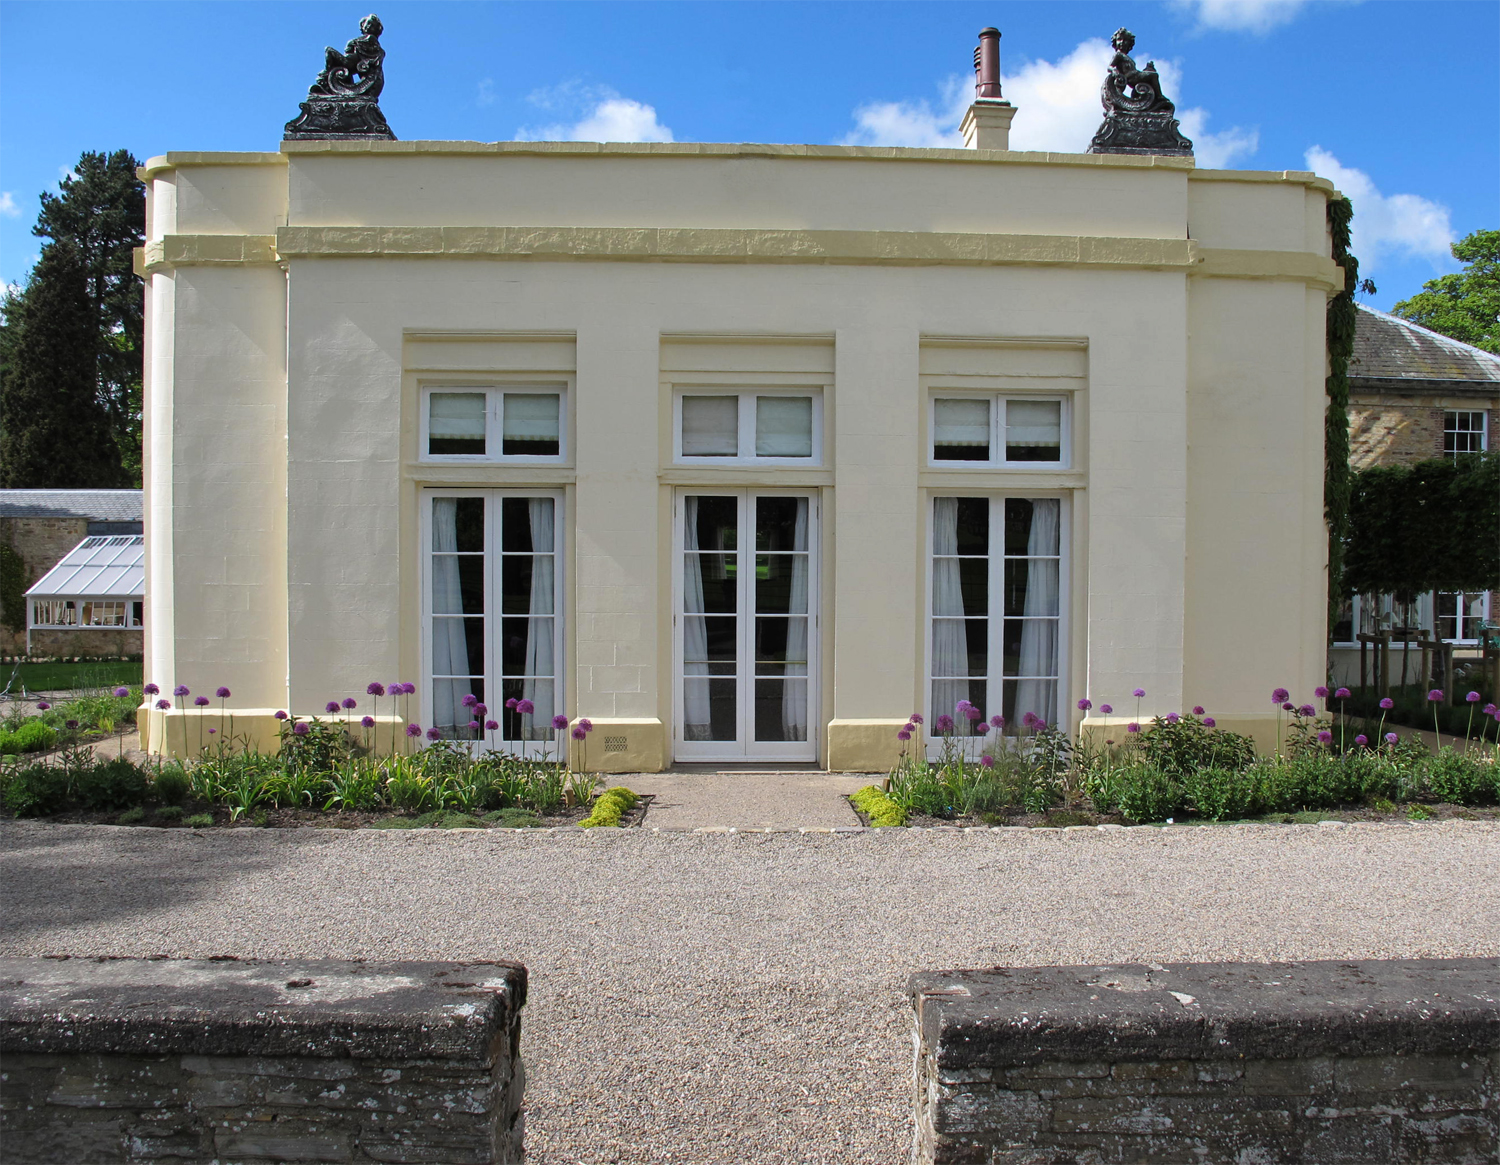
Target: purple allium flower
74	724
408	689
1488	709
181	690
1173	718
200	701
982	730
150	689
1139	693
1288	707
434	734
491	725
1028	720
559	722
367	722
469	700
1085	705
1342	694
915	717
1209	722
1391	738
997	721
1434	696
481	710
42	705
987	761
1132	727
1280	696
1321	692
473	725
903	734
580	734
222	692
586	724
349	702
1472	698
279	716
1307	710
943	723
1387	703
413	730
1106	709
299	729
962	706
122	692
375	690
525	707
973	713
1325	737
163	705
1361	740
331	707
211	731
511	704
1197	709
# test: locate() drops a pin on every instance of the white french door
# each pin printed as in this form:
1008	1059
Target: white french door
491	603
745	629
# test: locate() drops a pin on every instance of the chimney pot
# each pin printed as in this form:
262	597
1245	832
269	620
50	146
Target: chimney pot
987	65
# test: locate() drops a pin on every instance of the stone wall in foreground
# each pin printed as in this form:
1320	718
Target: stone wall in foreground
259	1062
1240	1062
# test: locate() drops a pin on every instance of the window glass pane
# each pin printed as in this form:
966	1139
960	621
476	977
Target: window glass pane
961	430
1031	527
526	584
458	584
780	523
528	524
783	426
531	424
774	699
711	705
781	584
1031	586
455	424
710	426
1033	430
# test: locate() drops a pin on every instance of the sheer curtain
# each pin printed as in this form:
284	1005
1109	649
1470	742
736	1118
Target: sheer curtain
696	721
450	649
1039	635
794	692
538	686
950	650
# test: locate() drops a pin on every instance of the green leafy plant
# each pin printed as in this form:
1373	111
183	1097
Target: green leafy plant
32	736
609	807
131	816
170	785
169	813
1147	794
1217	793
879	808
199	821
1181	745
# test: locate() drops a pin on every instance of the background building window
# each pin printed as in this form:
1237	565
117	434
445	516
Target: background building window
999	430
1464	431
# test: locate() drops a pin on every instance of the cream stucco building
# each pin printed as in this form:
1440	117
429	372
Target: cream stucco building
743	452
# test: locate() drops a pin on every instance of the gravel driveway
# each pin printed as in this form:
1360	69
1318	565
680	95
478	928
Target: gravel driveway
737	997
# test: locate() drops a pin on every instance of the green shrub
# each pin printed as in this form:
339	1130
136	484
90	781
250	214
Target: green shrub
170	785
880	809
31	736
111	784
393	823
169	813
131	816
1187	744
36	790
199	820
1418	812
1219	793
513	818
1459	779
609	807
1148	794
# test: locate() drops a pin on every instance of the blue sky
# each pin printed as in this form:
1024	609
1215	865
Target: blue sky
1394	101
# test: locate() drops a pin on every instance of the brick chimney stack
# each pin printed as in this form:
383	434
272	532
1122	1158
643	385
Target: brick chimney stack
986	125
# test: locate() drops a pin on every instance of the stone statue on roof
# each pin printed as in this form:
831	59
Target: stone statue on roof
1138	118
343	103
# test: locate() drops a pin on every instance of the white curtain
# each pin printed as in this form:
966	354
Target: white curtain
696	720
783	426
1039	635
710	426
450	649
794	692
961	422
950	650
539	684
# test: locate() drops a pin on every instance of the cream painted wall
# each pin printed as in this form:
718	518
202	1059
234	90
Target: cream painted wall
284	490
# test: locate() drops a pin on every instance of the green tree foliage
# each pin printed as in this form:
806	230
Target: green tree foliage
1339	329
1465	305
1430	526
54	432
100	217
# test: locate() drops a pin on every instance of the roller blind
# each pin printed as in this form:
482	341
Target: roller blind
1033	423
456	416
783	426
962	422
710	426
532	417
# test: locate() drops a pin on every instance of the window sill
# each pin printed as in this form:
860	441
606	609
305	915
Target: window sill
487	473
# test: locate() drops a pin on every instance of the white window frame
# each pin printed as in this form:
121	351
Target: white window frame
130	623
494	420
997	459
1426	617
747	396
996	648
1483	430
492	662
746	749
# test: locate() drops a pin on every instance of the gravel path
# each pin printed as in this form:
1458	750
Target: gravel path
738	997
781	800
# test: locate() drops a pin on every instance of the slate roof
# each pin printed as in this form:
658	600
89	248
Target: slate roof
1389	349
111	567
99	505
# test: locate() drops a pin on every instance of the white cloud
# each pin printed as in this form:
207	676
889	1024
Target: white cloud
1405	225
606	117
1057	109
8	205
486	92
1257	16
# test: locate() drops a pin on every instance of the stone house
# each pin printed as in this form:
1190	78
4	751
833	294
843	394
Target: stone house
743	452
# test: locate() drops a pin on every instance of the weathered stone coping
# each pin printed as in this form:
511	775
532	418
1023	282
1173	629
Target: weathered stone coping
1014	1016
233	1007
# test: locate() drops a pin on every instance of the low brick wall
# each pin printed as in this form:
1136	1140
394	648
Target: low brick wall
1233	1062
259	1062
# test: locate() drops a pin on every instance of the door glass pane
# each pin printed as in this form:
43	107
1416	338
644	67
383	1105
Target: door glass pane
531	424
710	426
526	584
455	424
1031	586
945	697
783	426
781	584
1031	648
1033	430
1031	526
781	523
710	709
528	525
781	709
451	716
972	526
1039	697
961	429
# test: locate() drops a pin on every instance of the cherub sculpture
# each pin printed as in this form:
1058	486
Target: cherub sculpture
344	102
1138	119
1128	88
361	58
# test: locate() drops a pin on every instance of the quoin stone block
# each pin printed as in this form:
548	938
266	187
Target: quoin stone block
260	1061
1386	1061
